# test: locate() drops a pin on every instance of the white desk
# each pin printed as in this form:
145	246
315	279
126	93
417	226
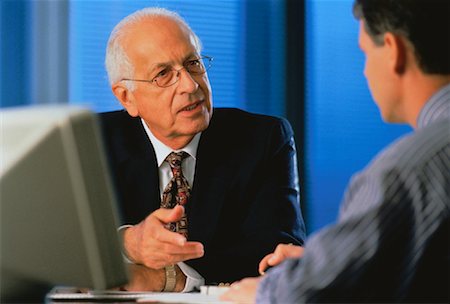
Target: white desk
59	295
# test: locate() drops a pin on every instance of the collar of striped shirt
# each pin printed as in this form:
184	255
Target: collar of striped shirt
436	108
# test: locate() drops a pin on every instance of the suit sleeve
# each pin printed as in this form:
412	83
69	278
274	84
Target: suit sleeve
275	215
269	214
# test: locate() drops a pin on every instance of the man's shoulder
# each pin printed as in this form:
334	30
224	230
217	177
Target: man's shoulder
231	127
233	118
115	120
119	127
414	160
417	150
115	116
226	113
422	144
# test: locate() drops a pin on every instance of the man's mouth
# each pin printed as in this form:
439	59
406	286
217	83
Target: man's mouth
192	106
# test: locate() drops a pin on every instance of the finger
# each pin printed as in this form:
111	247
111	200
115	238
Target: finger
173	254
276	258
169	215
162	235
161	260
165	253
279	255
166	216
282	252
187	248
288	251
294	251
264	264
176	258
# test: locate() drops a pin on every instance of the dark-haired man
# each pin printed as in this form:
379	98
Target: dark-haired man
391	241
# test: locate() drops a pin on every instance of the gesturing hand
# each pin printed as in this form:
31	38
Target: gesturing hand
282	252
151	244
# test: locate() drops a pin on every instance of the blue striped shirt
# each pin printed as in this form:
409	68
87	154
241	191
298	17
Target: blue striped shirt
391	240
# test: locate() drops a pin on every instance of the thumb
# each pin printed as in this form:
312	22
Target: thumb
170	215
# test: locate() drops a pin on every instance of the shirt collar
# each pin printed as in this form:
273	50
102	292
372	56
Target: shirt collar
162	150
436	108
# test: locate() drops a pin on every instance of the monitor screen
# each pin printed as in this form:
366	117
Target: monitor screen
58	215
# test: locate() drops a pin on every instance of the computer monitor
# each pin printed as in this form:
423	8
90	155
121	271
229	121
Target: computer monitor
58	216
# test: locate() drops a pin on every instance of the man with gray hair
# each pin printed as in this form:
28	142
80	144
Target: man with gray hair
203	197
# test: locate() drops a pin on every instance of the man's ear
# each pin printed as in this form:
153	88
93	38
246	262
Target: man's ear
397	52
126	98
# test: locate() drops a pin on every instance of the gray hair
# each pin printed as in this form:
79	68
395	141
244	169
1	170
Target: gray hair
117	63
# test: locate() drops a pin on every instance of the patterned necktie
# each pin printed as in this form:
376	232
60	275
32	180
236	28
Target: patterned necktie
177	191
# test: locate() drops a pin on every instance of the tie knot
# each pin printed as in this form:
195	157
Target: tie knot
175	158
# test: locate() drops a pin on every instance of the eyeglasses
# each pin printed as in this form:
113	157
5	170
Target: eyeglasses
169	76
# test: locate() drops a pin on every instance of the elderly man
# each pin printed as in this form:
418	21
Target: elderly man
391	242
205	193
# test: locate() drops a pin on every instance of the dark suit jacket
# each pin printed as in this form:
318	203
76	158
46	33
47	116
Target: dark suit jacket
245	197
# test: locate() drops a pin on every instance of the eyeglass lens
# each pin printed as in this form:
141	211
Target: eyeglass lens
170	76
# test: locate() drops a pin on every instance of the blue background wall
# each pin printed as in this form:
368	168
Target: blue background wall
343	129
343	126
242	36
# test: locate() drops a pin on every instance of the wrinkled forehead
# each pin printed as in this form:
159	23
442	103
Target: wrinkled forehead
158	31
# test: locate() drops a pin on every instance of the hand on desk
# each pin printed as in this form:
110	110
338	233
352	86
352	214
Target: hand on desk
244	291
149	243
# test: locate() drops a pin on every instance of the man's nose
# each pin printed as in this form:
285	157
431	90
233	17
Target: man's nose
186	81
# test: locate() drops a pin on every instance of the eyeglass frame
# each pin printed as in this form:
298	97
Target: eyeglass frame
154	80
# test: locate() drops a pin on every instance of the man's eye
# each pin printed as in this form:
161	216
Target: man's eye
192	63
163	73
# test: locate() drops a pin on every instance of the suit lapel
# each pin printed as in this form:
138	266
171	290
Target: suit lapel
145	179
207	199
212	180
142	175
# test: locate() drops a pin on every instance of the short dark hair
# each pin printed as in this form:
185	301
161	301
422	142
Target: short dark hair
424	23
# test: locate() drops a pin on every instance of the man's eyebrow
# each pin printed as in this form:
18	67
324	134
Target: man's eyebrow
191	56
156	66
159	65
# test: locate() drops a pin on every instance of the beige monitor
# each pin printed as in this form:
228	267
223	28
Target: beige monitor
58	215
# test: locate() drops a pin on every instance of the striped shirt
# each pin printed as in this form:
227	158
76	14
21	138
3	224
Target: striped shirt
391	240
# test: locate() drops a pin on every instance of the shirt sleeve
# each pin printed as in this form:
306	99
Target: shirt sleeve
193	278
121	230
372	253
337	254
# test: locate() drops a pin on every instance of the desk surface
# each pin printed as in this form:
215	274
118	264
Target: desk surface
64	295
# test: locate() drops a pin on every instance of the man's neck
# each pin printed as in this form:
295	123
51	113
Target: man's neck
417	91
176	143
